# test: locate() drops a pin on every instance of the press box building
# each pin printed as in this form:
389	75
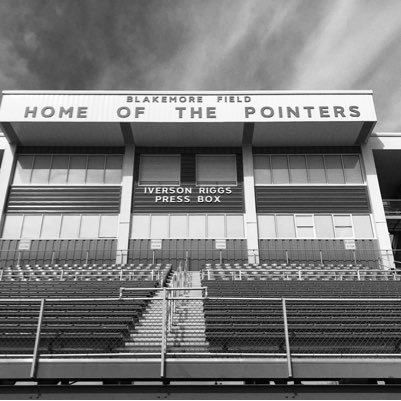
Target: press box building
120	176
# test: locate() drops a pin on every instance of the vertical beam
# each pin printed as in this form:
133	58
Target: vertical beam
251	227
35	356
124	221
6	173
376	204
287	338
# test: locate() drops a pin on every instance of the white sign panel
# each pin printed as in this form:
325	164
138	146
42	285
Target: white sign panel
349	244
221	244
186	106
24	245
156	244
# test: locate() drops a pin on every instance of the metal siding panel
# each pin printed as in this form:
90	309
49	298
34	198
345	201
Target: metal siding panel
61	199
296	199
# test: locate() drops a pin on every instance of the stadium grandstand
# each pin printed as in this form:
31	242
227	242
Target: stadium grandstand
209	237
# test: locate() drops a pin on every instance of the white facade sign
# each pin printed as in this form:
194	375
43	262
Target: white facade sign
221	244
156	244
349	244
18	106
24	245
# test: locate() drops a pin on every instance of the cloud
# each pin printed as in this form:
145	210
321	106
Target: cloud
205	45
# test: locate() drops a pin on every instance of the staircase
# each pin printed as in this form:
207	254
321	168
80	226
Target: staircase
186	330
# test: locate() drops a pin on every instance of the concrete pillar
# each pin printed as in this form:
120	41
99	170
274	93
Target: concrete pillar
124	221
376	204
6	173
251	226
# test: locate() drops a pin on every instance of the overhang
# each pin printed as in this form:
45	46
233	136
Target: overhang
112	118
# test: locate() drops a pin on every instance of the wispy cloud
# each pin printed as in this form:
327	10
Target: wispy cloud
205	44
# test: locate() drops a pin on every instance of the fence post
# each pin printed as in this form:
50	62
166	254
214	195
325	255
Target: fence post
164	334
287	338
35	355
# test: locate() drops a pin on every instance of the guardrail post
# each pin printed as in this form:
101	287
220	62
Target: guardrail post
35	355
287	338
164	334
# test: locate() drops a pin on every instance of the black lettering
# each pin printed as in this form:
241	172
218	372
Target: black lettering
294	112
249	111
354	111
338	111
266	109
48	112
139	111
32	111
211	112
324	111
68	112
180	111
309	110
123	112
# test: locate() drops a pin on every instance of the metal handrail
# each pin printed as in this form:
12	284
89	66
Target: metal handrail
167	299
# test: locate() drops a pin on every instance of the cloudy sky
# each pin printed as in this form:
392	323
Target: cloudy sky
205	44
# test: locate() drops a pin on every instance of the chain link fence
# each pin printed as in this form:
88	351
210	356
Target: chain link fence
182	322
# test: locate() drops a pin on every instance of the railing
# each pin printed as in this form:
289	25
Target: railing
236	327
198	258
392	207
279	273
86	272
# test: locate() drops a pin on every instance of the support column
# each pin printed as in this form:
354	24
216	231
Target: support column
376	204
251	226
124	221
6	173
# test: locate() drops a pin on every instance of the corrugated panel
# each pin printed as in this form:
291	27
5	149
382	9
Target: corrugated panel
59	251
64	199
292	150
315	250
311	199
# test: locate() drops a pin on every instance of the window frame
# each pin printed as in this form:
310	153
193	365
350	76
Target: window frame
300	226
159	155
62	215
66	183
187	216
331	215
364	183
220	155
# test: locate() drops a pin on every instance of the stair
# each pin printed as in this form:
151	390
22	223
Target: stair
186	331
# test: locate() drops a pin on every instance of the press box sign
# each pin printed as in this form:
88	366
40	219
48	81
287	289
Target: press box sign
163	195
